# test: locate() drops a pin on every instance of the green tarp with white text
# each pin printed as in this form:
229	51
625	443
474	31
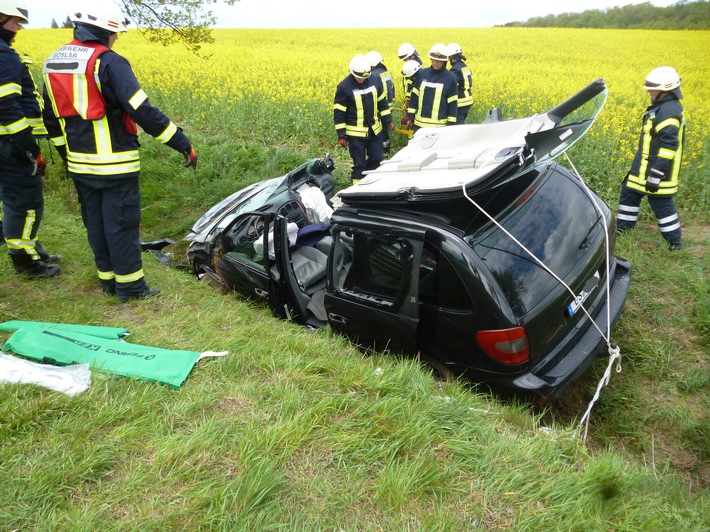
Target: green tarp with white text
59	346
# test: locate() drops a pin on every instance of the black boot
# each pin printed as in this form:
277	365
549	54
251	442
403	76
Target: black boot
34	269
674	246
143	294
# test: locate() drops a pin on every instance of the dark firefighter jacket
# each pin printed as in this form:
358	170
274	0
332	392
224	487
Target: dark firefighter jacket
464	78
410	82
16	107
358	107
92	103
660	146
434	99
386	77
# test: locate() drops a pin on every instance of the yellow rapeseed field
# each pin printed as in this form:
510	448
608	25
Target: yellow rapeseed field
279	84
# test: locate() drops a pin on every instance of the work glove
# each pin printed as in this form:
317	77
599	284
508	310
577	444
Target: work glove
404	120
40	165
343	142
390	127
653	180
190	159
410	123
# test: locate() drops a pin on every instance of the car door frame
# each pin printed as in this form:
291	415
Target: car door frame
365	318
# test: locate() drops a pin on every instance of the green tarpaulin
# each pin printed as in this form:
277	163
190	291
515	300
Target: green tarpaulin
93	330
60	346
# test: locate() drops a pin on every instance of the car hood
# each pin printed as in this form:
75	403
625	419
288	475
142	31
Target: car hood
438	163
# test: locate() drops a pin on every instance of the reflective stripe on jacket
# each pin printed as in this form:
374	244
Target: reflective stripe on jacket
107	144
660	146
13	108
358	107
434	99
464	78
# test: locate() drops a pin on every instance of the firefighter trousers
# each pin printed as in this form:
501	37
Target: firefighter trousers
110	210
662	206
366	153
22	202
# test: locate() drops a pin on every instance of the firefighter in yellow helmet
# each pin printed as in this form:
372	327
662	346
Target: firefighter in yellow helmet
655	170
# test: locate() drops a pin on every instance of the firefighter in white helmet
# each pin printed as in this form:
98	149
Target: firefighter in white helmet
434	98
21	161
93	107
360	112
406	53
655	170
378	70
464	79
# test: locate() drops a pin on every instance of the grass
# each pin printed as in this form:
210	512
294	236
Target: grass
298	430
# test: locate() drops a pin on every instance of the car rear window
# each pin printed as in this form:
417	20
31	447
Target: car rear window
557	222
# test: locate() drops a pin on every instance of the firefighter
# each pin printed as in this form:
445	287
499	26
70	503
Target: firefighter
360	112
464	78
407	52
434	98
379	70
655	169
20	156
410	72
92	103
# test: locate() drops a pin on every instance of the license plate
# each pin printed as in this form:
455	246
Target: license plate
589	287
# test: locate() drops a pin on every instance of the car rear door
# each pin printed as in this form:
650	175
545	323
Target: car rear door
372	291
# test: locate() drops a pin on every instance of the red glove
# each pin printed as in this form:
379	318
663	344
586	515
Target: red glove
40	164
409	123
190	159
404	120
343	142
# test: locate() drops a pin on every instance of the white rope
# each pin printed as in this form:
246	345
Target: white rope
614	356
614	351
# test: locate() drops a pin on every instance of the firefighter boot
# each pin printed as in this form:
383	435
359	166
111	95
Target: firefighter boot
143	294
34	269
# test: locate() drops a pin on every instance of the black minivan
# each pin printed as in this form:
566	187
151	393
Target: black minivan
470	248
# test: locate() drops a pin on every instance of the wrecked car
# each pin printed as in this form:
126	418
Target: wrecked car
470	247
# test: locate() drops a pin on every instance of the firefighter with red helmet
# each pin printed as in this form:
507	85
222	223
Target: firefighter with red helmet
655	170
93	104
21	159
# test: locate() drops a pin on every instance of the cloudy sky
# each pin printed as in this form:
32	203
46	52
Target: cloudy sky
369	13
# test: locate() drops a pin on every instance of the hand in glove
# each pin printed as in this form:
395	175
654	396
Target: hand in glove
343	142
190	159
404	120
653	180
40	165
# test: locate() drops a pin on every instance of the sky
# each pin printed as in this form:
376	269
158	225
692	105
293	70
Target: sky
369	13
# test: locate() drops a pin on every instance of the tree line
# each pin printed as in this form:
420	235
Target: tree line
683	15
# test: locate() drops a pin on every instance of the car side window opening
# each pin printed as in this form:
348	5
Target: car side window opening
373	266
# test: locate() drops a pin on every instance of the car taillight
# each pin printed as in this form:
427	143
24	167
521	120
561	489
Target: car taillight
509	346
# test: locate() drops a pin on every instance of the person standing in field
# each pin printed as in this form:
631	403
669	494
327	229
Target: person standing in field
379	70
360	112
21	159
93	102
407	52
655	169
434	98
464	79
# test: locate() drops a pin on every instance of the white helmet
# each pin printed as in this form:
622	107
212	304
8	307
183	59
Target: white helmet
438	52
374	58
663	78
13	8
453	49
102	15
405	50
410	68
359	66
